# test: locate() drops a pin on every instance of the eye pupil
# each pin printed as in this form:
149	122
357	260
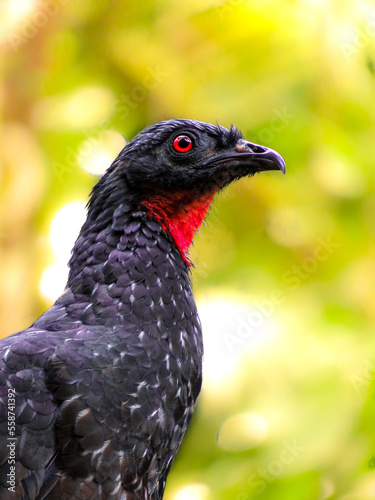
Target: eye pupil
182	144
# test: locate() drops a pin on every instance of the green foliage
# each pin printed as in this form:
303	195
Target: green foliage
285	265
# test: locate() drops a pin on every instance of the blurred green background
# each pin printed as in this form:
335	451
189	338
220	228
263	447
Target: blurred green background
285	266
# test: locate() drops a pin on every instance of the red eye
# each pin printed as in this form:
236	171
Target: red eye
182	144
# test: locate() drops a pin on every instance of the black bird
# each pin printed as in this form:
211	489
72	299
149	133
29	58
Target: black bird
96	396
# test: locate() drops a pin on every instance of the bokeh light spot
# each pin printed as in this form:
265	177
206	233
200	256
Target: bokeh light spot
88	106
97	153
242	432
64	230
53	281
337	175
232	329
196	491
20	8
65	227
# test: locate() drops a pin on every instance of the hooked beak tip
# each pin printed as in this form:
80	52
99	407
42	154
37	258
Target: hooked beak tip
271	159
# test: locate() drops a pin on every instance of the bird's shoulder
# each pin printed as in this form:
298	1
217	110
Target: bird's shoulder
28	411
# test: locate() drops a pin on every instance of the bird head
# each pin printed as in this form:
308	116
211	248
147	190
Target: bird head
172	170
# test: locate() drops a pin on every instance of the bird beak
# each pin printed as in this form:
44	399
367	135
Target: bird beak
264	158
250	158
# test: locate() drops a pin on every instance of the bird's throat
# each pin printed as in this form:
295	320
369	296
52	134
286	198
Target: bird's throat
179	217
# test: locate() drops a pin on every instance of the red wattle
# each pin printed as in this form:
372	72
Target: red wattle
180	220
